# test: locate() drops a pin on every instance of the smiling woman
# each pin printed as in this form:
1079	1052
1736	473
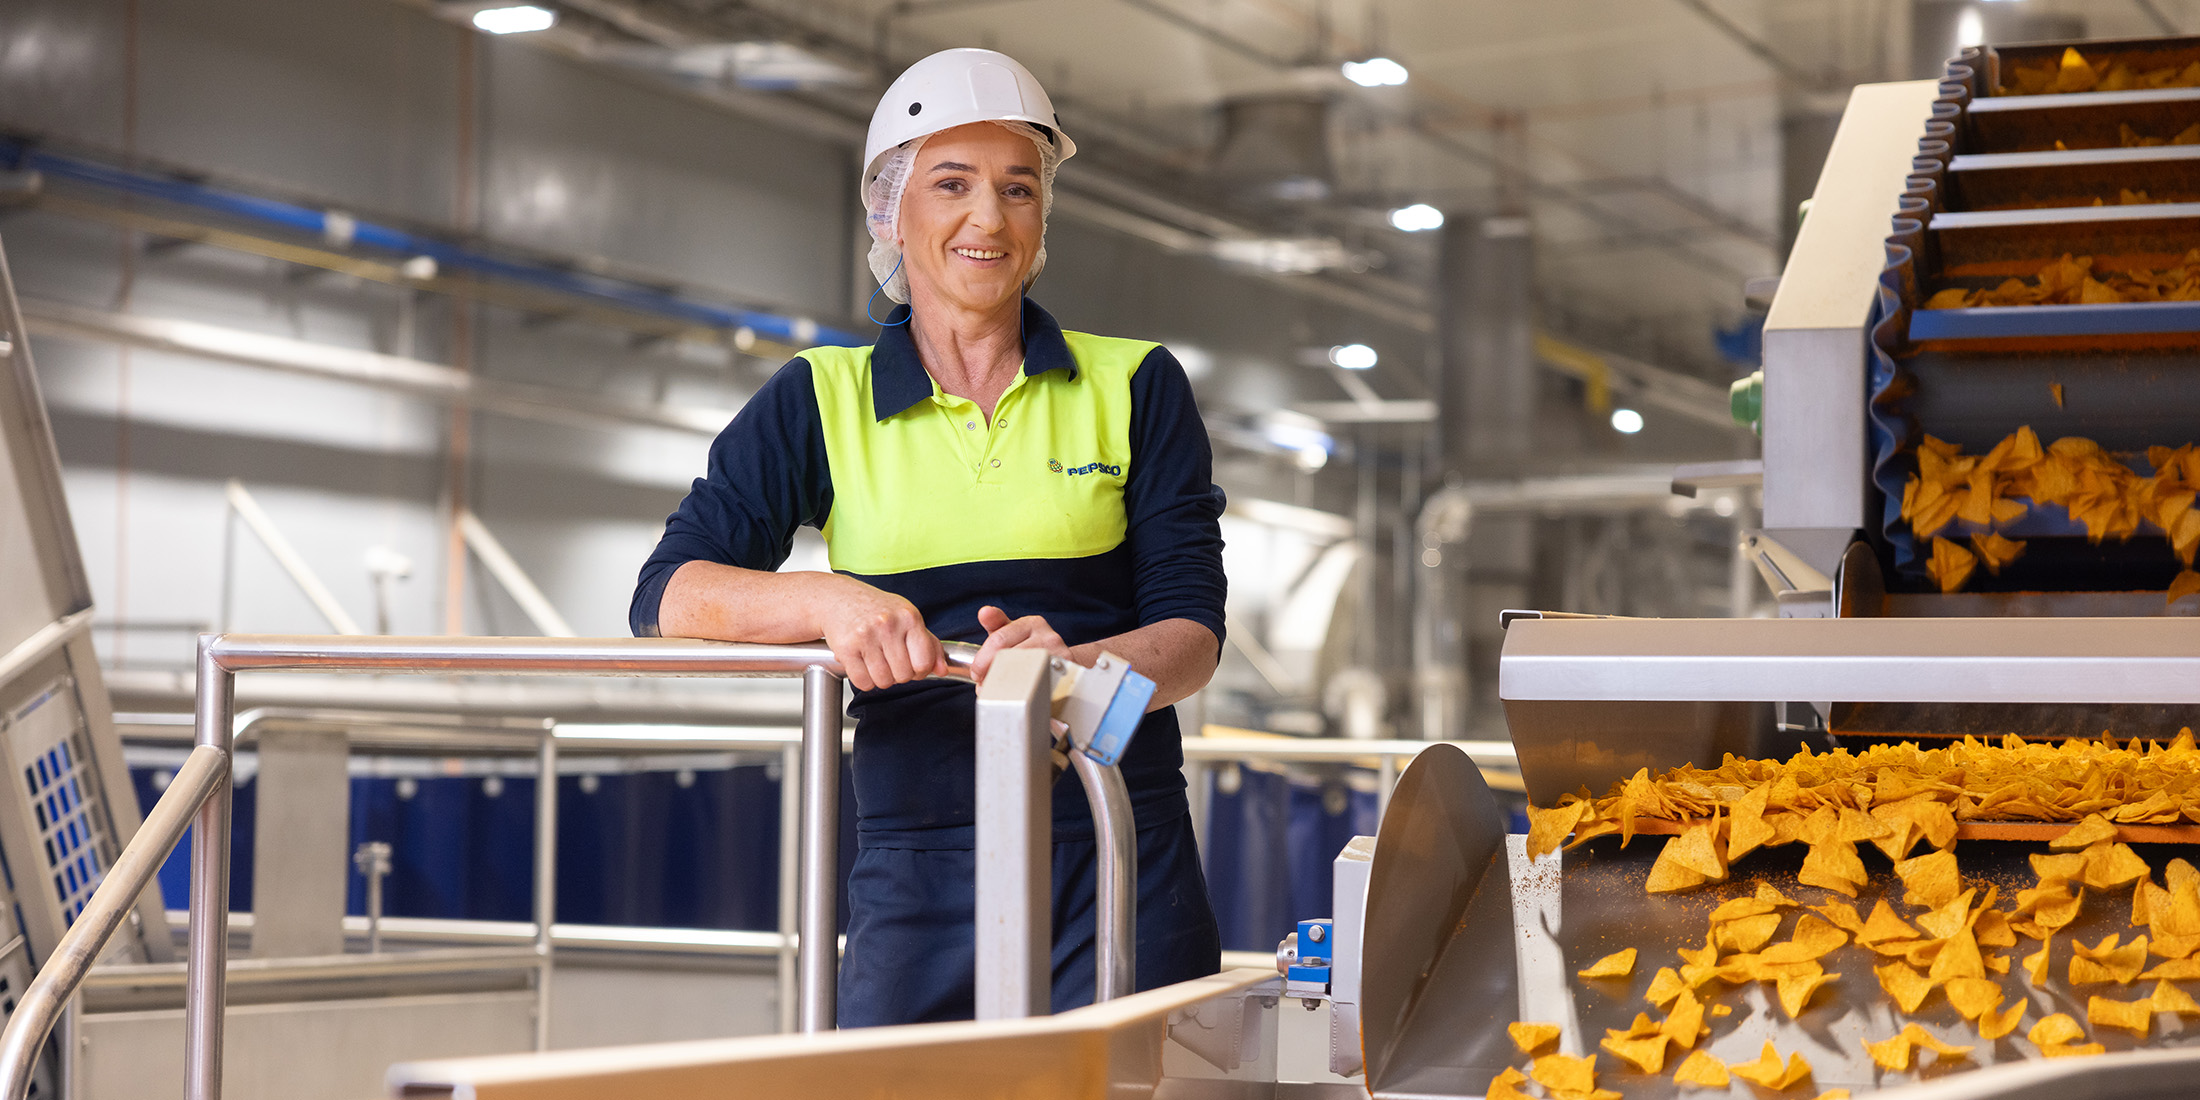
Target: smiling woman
980	475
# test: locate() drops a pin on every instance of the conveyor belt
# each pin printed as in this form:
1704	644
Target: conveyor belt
1993	198
1510	935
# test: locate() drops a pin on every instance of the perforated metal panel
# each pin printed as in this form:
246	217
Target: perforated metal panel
66	806
75	840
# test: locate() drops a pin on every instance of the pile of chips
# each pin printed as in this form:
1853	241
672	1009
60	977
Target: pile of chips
1990	491
2071	281
2073	73
2133	139
1953	937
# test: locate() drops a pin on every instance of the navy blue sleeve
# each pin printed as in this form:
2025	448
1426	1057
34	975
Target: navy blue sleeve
1171	504
767	475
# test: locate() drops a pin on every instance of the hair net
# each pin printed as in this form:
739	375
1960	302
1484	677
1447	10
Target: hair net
882	206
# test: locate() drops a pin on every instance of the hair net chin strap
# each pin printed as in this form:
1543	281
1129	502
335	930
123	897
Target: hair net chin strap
882	208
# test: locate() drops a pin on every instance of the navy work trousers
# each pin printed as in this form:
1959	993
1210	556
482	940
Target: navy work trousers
912	947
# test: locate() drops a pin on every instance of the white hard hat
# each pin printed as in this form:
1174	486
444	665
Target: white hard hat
953	88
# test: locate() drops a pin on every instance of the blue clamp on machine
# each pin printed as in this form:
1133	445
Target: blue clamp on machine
1306	956
1102	706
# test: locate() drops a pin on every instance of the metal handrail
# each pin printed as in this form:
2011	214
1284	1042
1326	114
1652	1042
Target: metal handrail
203	773
189	801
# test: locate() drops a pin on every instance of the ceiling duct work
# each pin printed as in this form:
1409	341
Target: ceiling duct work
1275	148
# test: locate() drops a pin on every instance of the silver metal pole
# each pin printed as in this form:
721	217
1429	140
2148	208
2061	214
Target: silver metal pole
1386	777
207	968
546	877
1199	788
790	879
1115	906
1015	836
820	916
72	1047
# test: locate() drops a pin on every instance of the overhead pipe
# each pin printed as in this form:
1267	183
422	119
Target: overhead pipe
345	230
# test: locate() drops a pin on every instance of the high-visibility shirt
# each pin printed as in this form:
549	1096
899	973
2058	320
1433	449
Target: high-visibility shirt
1087	497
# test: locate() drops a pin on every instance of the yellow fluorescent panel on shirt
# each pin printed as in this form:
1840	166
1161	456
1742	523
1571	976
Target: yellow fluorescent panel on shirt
935	484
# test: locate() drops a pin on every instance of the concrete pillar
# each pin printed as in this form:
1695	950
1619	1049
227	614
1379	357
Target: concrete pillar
1485	336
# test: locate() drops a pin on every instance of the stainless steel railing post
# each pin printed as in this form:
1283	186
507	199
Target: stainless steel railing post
1115	904
546	877
820	916
205	990
1015	827
790	881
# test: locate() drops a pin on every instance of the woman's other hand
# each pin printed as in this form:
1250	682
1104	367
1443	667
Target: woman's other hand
1002	632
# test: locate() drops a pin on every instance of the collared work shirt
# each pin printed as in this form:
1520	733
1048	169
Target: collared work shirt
1087	497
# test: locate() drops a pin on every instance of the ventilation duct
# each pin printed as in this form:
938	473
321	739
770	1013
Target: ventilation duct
1275	148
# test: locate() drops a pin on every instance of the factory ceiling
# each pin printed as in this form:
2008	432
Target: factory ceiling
1643	138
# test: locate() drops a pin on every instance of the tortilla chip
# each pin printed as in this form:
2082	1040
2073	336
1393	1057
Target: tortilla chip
1813	938
1884	926
1841	915
1547	829
1748	933
2093	828
1931	1042
1834	866
1796	988
2036	964
1992	1027
1769	1072
2109	866
2176	970
1506	1086
1958	958
1892	1053
1722	1010
1949	917
2107	962
1992	929
1903	982
1684	1025
2064	867
1532	1037
2136	1017
1559	1071
1697	849
1931	880
1664	986
1646	1054
2053	1030
1974	997
1618	964
1703	1069
1668	875
1746	830
2169	998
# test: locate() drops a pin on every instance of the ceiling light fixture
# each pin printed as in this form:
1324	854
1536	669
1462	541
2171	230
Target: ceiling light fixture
1353	356
1375	72
1418	218
517	19
1970	29
1626	421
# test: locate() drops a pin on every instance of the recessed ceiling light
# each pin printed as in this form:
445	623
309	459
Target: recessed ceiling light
1353	356
1417	218
1626	421
1375	72
516	19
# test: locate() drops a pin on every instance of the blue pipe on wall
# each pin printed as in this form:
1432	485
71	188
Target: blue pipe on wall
20	156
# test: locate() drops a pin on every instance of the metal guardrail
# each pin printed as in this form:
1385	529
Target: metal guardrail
190	800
